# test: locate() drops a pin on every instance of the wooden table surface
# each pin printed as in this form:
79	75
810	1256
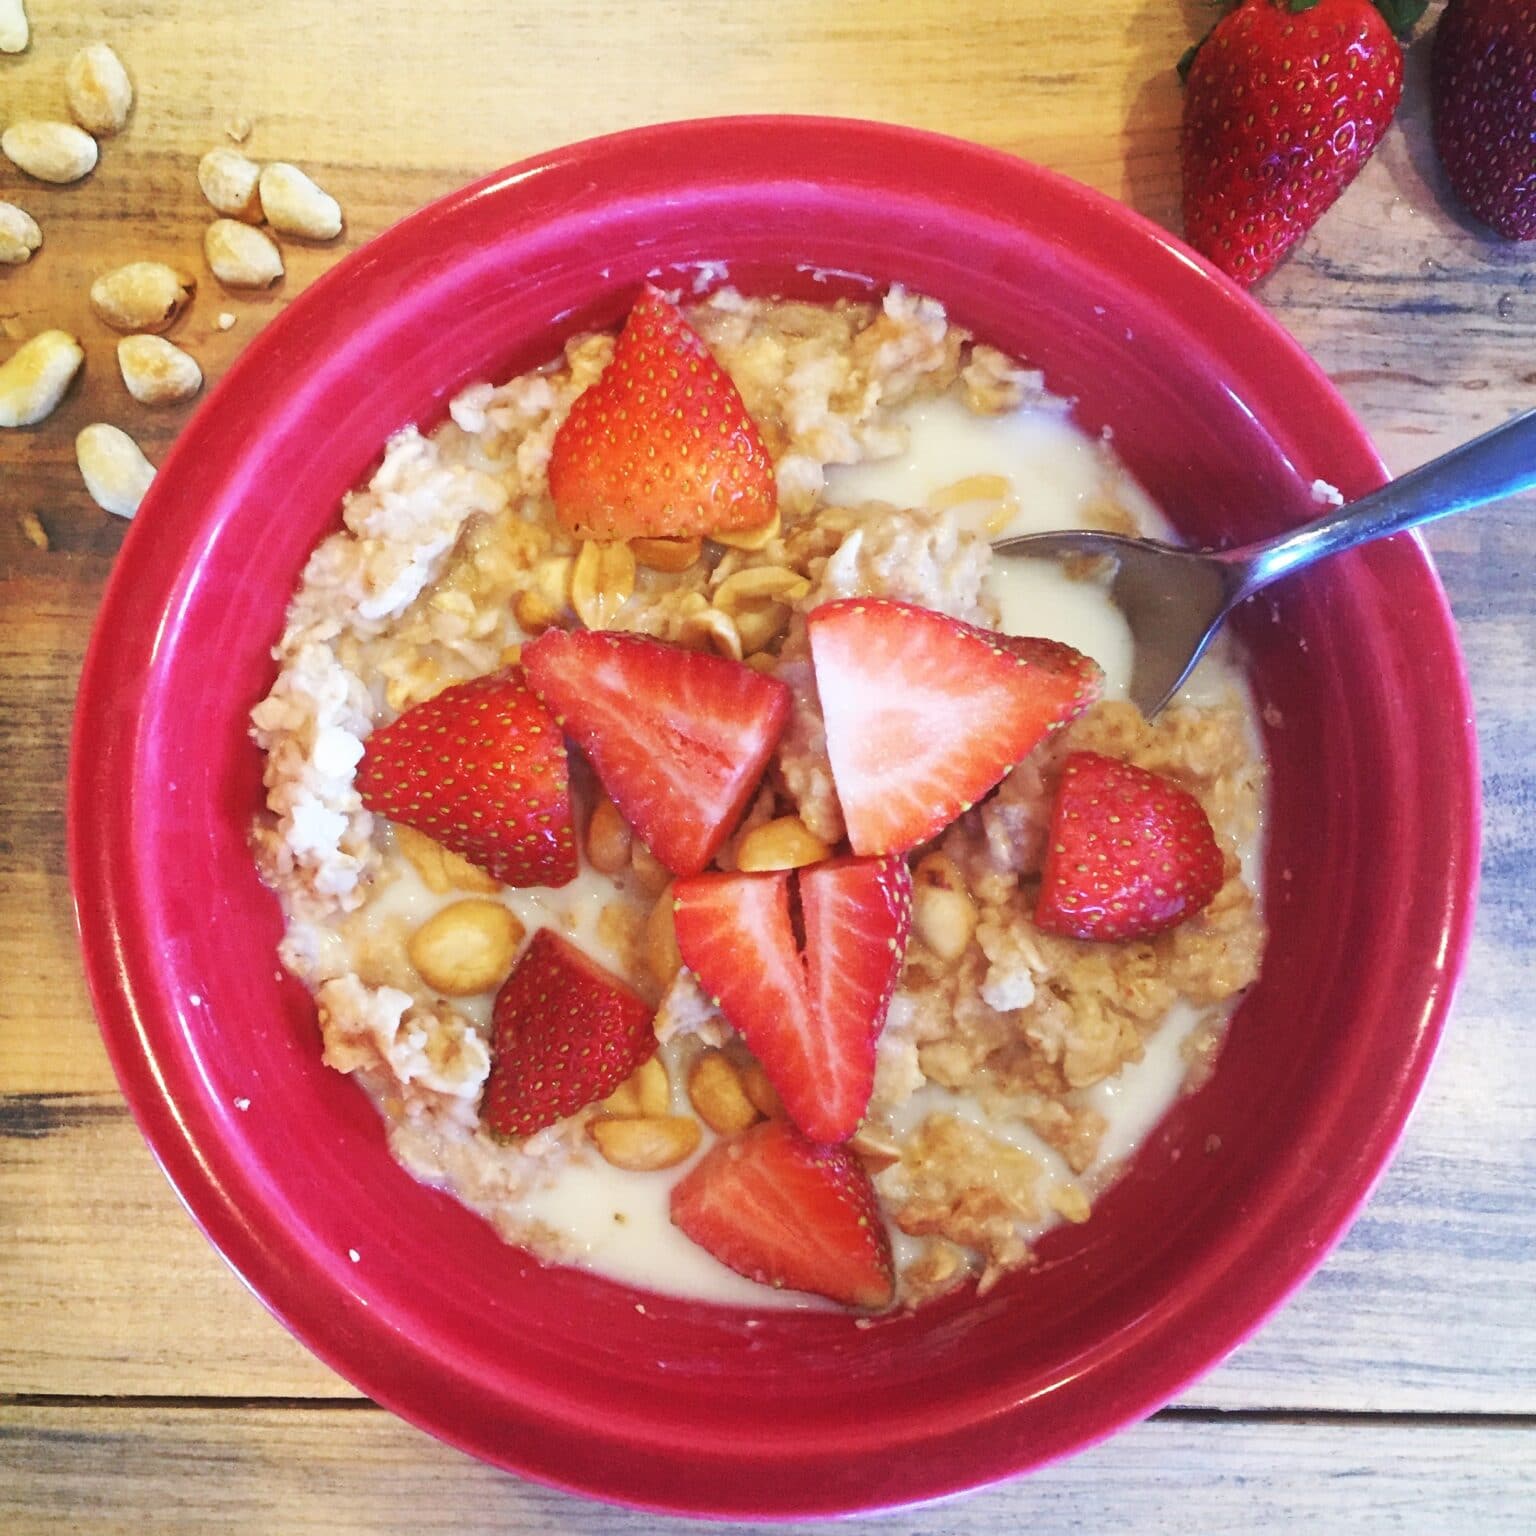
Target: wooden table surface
141	1386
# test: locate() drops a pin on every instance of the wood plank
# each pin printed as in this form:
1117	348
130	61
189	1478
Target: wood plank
237	1469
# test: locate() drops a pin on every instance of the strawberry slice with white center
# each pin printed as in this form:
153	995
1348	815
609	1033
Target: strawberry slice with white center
481	769
1130	853
811	1018
924	713
678	738
785	1212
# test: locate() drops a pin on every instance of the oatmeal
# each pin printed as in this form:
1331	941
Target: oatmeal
1017	1067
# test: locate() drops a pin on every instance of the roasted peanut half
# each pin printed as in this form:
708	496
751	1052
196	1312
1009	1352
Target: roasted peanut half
49	151
441	869
14	31
19	235
785	843
240	256
608	838
34	377
943	914
709	627
294	205
466	948
157	371
602	581
646	1091
874	1149
662	957
761	1092
652	874
771	581
534	612
98	89
751	538
114	468
228	180
645	1144
716	1092
141	296
666	554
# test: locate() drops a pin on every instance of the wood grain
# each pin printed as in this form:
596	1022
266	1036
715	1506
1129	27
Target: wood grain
107	1290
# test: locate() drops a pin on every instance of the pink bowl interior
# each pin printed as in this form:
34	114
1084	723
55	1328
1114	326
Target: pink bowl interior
1232	1202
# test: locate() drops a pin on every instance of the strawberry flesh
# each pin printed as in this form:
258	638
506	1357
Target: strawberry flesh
481	769
924	714
566	1033
661	445
1282	108
811	1018
788	1213
1130	853
678	738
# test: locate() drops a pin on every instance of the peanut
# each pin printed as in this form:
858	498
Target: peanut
764	1096
142	296
785	843
156	371
760	625
666	554
441	869
942	910
33	379
534	612
662	957
19	235
874	1149
241	257
115	471
466	948
646	1091
294	205
751	538
771	581
646	1144
602	581
228	180
14	31
715	629
652	874
49	151
959	493
762	661
98	89
608	839
715	1090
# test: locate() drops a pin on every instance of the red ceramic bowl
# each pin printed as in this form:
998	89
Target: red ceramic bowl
558	1374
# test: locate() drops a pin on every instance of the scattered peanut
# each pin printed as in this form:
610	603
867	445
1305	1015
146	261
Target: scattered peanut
441	869
156	371
652	874
646	1091
942	910
511	655
534	612
874	1149
608	838
666	554
773	581
760	625
98	89
751	538
972	488
602	581
785	843
241	257
294	205
764	1096
762	661
715	1090
33	379
142	296
13	26
708	626
116	472
228	180
32	530
466	948
662	957
643	1145
19	235
49	151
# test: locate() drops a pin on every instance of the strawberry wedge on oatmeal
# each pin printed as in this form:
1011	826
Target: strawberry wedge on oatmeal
720	871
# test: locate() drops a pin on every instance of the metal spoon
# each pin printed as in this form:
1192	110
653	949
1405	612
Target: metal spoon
1176	599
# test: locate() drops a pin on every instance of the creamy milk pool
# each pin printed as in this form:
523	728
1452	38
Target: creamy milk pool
616	1222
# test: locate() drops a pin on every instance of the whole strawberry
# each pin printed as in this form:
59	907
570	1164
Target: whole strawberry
1484	98
1285	101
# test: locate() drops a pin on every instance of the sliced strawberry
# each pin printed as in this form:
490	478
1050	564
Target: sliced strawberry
679	738
480	768
1130	853
784	1212
661	445
1057	660
567	1033
811	1019
925	714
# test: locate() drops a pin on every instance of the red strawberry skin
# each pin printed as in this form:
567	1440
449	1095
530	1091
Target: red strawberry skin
811	1019
924	714
788	1213
1130	853
1081	676
1282	107
1483	91
567	1033
661	445
480	768
679	738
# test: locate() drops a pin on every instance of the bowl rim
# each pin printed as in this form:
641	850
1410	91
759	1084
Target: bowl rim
95	821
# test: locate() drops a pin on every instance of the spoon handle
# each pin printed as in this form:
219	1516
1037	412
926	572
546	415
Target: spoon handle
1499	463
